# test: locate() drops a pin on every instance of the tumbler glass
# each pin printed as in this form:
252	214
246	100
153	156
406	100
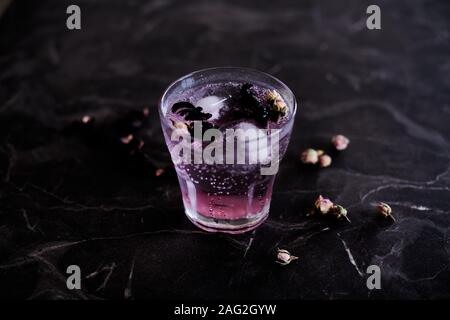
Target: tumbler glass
223	197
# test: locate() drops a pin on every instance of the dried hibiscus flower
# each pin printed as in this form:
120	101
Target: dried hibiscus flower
190	112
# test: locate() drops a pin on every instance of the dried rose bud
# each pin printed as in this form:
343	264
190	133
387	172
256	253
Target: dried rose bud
385	210
145	112
180	125
86	119
284	257
272	95
280	106
277	102
141	144
340	212
340	142
323	205
320	152
309	156
325	161
127	139
159	172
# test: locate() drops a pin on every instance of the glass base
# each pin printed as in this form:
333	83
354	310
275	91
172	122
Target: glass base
235	226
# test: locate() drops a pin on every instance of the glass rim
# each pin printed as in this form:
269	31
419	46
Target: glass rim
227	68
191	74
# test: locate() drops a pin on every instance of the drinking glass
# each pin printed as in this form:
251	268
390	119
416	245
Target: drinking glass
230	198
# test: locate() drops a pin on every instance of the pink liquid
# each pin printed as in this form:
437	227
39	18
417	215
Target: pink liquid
222	193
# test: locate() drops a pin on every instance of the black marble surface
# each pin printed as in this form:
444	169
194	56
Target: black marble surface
71	193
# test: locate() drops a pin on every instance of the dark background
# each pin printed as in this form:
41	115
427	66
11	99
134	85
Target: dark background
72	193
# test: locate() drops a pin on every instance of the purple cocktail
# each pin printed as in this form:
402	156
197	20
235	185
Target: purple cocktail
227	129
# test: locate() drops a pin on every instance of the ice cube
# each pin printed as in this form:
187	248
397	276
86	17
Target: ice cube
212	105
256	142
